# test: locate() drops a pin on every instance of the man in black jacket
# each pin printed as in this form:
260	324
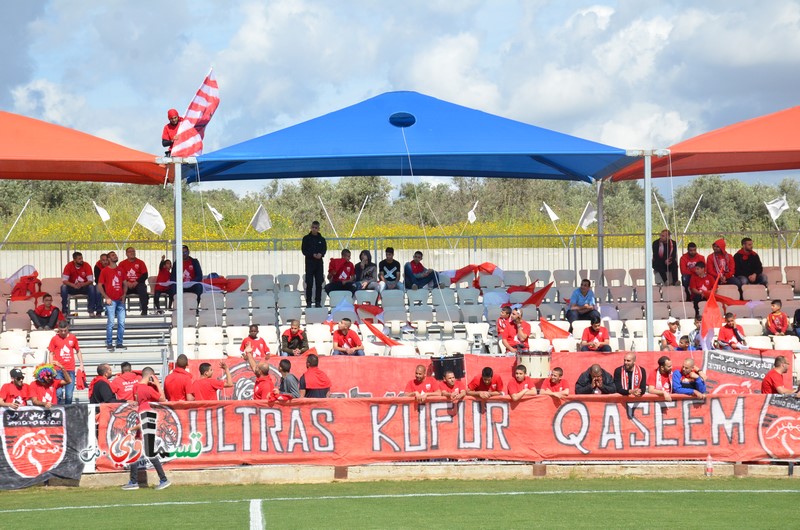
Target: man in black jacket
595	380
314	248
665	259
748	266
630	379
100	388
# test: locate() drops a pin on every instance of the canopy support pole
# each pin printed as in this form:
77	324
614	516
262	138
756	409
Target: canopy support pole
601	261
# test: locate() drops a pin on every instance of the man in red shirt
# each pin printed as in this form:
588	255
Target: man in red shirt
45	316
700	286
452	388
314	383
521	385
659	382
64	348
486	385
720	263
731	335
135	272
595	337
555	385
421	386
502	320
687	264
517	331
255	345
170	130
112	288
205	388
78	278
346	341
123	384
773	381
178	384
15	393
341	274
43	390
416	275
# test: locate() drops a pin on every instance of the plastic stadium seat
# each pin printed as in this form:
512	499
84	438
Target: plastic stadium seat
316	315
542	275
370	296
468	295
731	291
637	277
237	317
759	341
264	300
287	282
754	292
404	350
773	274
615	277
237	300
786	342
393	298
518	278
781	291
262	282
429	347
565	345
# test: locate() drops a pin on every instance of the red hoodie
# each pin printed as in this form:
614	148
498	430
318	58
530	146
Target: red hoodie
720	263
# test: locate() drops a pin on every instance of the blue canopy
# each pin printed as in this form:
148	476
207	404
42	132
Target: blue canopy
443	139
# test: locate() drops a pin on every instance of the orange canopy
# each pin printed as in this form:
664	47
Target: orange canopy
767	143
37	150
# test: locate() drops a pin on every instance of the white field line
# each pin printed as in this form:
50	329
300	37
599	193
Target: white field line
402	496
256	517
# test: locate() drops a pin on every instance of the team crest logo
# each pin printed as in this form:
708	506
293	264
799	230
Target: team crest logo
34	440
779	426
125	448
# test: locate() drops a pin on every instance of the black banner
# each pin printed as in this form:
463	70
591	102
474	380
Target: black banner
39	444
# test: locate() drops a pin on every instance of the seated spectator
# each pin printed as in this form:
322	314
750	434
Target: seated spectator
341	274
486	385
42	390
582	304
416	275
205	388
555	385
289	385
178	384
124	383
254	345
687	264
294	340
159	290
595	337
45	316
191	271
521	385
100	387
659	382
516	333
595	380
630	379
346	341
314	383
389	271
777	321
684	344
422	386
452	388
101	264
748	266
796	322
78	278
367	273
773	381
688	380
16	393
665	259
502	321
720	264
695	336
135	272
700	287
669	339
731	335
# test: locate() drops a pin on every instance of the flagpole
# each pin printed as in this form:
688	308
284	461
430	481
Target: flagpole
112	236
691	217
353	231
666	225
220	227
330	221
132	228
177	184
245	233
441	227
466	223
585	208
559	233
16	221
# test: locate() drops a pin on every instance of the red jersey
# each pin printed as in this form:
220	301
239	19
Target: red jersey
145	394
133	270
704	284
75	274
669	338
341	270
511	330
720	264
660	382
163	277
727	336
458	386
428	384
47	394
188	270
502	323
688	262
205	388
777	323
9	393
515	386
548	384
476	385
111	280
169	131
590	335
417	267
64	350
44	312
123	384
771	382
260	348
263	387
178	384
346	340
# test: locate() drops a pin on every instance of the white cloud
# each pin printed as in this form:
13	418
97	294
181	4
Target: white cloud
51	102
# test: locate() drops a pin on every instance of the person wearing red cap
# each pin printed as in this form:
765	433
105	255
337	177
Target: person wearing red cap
720	264
170	130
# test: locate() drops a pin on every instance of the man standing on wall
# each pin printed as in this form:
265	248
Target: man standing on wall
314	248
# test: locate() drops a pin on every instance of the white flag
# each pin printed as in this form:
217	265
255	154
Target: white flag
776	207
215	213
588	217
471	217
102	212
550	212
151	219
260	221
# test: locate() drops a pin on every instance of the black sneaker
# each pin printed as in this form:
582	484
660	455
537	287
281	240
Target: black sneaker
110	347
121	346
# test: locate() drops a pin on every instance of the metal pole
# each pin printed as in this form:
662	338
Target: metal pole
648	249
601	262
178	255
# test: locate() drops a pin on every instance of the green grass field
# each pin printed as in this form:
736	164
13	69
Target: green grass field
548	503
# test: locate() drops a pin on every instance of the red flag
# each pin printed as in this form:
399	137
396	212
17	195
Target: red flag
538	297
550	331
380	335
531	288
463	271
189	138
711	318
370	309
728	301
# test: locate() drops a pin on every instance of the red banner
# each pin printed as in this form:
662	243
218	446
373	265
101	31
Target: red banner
361	431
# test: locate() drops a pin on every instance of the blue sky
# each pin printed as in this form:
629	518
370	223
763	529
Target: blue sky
632	73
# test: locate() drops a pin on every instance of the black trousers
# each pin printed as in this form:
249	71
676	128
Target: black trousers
144	296
315	276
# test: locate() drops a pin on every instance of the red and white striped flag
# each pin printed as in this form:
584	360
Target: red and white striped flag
189	138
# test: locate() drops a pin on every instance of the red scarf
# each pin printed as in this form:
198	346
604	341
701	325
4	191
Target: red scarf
291	336
663	382
316	379
637	378
94	382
